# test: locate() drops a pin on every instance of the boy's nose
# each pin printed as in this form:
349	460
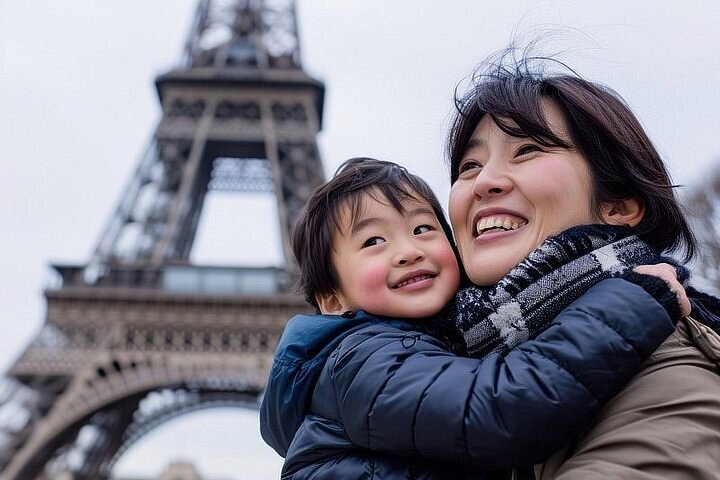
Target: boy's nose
409	256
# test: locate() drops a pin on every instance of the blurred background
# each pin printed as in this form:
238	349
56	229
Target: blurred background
78	106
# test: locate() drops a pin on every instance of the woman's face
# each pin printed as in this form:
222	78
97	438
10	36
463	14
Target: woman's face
513	193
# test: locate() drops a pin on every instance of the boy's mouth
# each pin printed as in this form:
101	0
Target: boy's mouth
413	277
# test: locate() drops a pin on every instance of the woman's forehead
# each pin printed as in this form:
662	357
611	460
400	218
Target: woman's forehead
508	129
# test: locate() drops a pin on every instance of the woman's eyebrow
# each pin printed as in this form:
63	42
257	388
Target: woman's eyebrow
474	143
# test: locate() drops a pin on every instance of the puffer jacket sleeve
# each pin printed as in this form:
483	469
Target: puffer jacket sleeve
403	393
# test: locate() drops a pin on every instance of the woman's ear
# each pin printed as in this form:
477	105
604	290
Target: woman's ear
628	211
330	303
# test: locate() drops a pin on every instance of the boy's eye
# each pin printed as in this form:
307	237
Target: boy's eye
373	241
422	229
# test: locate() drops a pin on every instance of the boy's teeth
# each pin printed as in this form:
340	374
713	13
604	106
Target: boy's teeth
412	280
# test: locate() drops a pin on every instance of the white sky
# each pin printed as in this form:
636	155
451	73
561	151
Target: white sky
77	106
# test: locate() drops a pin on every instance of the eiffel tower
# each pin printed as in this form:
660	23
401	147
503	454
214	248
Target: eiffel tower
140	335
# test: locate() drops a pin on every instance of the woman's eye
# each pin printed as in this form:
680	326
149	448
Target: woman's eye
422	229
373	241
526	149
469	165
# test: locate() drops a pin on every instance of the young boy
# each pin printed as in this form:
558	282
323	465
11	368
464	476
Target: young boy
370	386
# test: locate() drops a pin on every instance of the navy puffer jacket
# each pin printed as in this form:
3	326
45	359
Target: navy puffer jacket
351	398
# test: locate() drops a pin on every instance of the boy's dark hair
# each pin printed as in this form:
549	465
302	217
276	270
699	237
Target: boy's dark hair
319	221
622	160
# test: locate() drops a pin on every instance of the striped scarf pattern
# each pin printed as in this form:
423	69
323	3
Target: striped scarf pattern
524	302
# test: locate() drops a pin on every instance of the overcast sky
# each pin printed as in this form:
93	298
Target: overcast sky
78	105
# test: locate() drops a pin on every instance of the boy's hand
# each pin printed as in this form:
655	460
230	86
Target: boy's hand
667	273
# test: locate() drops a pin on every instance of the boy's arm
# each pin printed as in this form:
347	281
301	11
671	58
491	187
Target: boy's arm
404	394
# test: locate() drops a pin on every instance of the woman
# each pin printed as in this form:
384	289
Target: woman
535	155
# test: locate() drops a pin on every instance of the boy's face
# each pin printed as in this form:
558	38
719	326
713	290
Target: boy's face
392	263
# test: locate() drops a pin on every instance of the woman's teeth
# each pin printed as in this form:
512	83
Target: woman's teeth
505	223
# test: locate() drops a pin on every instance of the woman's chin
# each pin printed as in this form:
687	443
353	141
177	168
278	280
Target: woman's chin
487	268
486	277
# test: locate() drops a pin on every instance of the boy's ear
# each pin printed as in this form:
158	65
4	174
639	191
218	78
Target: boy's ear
330	303
628	211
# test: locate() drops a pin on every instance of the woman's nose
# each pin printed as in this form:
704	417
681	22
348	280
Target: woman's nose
492	181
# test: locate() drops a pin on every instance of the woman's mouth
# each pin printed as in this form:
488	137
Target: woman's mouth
498	223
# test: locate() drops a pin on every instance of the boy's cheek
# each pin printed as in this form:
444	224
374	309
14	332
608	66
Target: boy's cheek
372	278
448	258
449	263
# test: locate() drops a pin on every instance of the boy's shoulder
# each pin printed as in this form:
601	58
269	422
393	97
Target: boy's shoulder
308	337
381	337
309	345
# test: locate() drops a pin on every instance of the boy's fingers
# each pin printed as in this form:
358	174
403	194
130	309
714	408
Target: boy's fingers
668	273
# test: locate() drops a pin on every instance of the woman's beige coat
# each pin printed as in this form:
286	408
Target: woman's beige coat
664	425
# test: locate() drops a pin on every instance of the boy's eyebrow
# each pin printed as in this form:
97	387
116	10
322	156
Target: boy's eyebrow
372	220
357	226
421	211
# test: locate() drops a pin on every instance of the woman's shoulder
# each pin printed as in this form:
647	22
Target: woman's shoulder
705	308
692	344
673	402
681	375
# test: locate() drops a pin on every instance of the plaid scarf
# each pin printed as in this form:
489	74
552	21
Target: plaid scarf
524	302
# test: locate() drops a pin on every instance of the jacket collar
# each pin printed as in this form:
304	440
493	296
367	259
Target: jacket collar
303	350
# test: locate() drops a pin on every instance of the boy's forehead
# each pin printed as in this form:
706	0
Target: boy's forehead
352	212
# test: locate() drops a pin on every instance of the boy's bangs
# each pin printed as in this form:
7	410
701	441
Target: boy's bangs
389	194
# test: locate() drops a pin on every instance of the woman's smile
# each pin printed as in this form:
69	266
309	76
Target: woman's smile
496	224
490	222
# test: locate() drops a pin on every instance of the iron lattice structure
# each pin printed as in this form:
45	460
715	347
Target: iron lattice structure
139	335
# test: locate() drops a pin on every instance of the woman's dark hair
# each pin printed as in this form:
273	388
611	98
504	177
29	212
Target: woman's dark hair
622	160
313	232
